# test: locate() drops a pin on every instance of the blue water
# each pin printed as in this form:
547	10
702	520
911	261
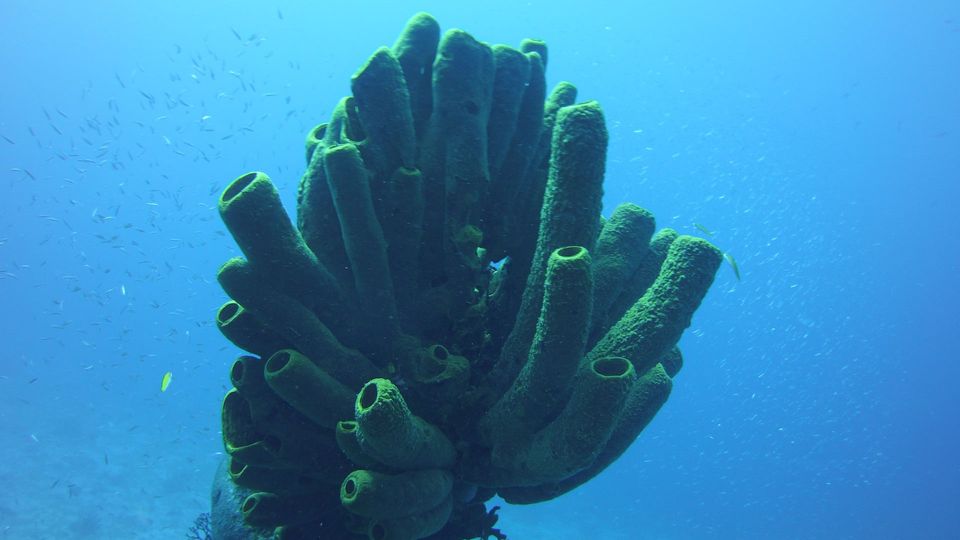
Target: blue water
819	140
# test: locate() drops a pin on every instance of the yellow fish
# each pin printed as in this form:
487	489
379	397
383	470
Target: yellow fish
165	382
703	229
733	264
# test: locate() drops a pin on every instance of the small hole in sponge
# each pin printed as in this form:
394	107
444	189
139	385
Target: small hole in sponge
350	488
378	531
440	352
249	504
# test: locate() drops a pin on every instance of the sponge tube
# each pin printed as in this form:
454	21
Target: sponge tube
379	495
392	434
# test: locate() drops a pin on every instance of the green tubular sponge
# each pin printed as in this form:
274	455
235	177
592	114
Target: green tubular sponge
345	126
265	509
314	139
573	440
654	324
571	204
247	377
415	50
277	440
383	104
363	237
638	283
295	323
506	178
346	434
538	46
308	389
393	435
292	440
283	482
526	207
511	73
557	350
463	89
438	373
244	330
241	440
454	153
646	397
250	207
672	362
378	495
317	218
402	230
419	525
521	228
621	247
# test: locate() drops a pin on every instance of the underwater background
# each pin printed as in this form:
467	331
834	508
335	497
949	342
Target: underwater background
819	143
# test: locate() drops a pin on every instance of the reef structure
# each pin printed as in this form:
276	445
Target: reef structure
450	317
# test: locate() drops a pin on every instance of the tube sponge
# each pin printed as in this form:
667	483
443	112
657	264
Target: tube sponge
393	435
572	441
374	494
557	349
243	328
420	525
571	205
308	389
265	509
654	324
449	261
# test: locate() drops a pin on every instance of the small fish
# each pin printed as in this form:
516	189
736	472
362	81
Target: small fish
733	264
703	229
236	34
165	382
123	290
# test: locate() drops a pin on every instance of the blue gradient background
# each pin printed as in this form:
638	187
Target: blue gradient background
818	139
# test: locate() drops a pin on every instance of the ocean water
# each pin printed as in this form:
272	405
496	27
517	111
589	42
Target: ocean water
818	141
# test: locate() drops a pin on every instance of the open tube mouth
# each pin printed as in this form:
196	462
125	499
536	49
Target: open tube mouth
278	361
369	394
238	186
228	312
570	251
613	366
237	371
250	503
236	468
319	132
350	488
